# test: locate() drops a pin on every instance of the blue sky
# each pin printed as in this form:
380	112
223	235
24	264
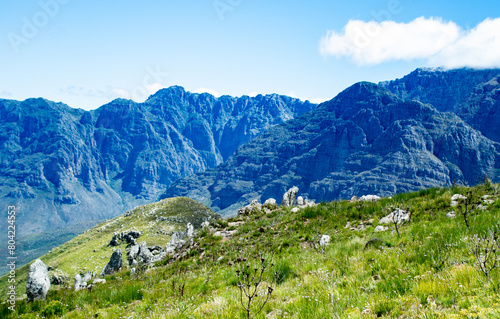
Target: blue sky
86	53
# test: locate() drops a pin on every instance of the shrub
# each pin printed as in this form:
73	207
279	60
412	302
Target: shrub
54	308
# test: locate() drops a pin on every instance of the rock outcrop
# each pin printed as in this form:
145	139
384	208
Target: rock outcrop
37	282
114	264
289	197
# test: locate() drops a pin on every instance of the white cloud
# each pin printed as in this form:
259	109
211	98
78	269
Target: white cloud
210	91
440	43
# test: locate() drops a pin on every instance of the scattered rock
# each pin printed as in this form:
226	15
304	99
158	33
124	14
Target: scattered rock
270	203
99	281
57	280
455	199
79	284
398	215
254	206
189	230
300	201
380	228
37	282
374	242
289	197
354	199
295	210
114	264
324	240
451	214
205	224
369	198
128	237
347	225
88	277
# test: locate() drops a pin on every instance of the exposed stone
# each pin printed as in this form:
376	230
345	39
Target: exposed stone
99	281
451	214
114	264
354	199
324	240
270	203
37	282
380	228
369	198
295	210
374	242
398	216
300	201
79	283
205	224
254	206
57	280
289	197
189	230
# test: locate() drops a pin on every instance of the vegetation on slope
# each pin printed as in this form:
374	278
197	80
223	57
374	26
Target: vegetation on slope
426	272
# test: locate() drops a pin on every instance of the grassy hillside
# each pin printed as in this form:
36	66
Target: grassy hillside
90	250
426	272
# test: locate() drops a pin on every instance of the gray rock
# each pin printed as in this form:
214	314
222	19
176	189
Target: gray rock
300	201
369	198
253	207
398	216
295	210
145	255
114	264
189	231
289	197
205	224
270	203
99	281
37	282
88	277
451	214
57	280
79	283
380	228
324	240
133	253
176	241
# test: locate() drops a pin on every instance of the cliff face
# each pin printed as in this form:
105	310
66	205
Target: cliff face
471	94
64	166
366	140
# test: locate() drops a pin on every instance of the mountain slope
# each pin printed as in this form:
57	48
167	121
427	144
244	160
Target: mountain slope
471	94
90	251
365	140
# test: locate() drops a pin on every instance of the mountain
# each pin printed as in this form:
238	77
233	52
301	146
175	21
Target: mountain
471	94
65	167
364	141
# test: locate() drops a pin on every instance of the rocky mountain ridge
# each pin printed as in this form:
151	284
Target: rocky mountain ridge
65	167
364	141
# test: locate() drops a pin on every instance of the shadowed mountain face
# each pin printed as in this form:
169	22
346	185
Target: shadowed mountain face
62	166
366	140
471	94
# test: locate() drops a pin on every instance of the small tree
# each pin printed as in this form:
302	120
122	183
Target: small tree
249	282
397	219
467	205
485	251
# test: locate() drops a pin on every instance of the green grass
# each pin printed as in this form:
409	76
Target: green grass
401	277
